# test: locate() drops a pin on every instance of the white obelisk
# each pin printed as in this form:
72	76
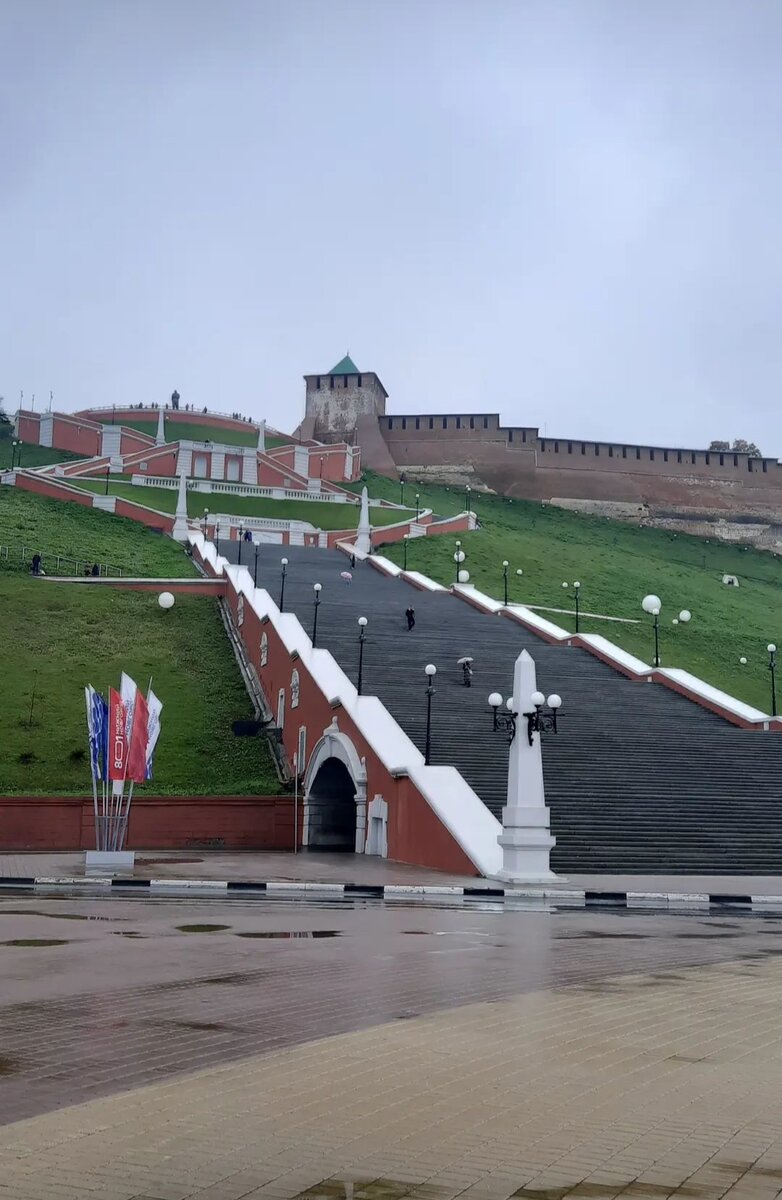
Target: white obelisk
160	436
525	839
262	437
180	530
364	531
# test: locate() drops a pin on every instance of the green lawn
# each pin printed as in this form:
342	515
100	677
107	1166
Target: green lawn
59	637
321	514
54	527
32	456
617	564
192	431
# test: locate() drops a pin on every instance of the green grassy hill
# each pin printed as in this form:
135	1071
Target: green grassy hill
59	637
320	513
28	455
617	564
29	522
193	431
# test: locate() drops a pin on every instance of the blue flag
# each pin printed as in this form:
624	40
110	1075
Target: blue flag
98	728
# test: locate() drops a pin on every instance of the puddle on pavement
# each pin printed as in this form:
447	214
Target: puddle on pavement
56	916
131	933
292	933
36	942
586	1191
202	928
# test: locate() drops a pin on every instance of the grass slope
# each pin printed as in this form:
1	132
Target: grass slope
31	456
59	637
54	527
617	564
194	432
321	514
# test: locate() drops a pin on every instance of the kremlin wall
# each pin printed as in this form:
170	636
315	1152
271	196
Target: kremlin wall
728	495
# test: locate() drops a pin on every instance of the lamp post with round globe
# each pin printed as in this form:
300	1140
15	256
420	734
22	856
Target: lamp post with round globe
317	588
430	670
362	634
405	540
772	666
652	604
459	558
505	565
283	573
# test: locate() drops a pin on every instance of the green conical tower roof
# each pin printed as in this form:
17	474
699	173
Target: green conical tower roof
345	366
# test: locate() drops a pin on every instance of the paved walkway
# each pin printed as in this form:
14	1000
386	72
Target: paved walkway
360	868
640	1086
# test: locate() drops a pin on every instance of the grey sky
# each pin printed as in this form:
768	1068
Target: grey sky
564	210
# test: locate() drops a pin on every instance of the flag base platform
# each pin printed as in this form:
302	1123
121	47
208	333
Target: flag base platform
110	860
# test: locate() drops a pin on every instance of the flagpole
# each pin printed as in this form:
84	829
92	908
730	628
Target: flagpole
91	730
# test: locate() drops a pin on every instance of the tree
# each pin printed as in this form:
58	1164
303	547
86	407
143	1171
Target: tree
746	448
740	446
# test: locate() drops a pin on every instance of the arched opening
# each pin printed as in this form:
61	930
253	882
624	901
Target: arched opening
331	805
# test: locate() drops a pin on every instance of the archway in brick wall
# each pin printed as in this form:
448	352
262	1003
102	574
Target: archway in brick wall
335	795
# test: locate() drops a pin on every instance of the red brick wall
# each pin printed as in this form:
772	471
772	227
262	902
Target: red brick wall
81	438
156	823
131	441
136	512
45	486
29	428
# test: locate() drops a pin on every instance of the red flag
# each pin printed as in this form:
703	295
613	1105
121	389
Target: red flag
118	745
137	751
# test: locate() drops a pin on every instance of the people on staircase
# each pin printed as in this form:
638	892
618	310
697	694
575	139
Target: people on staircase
410	614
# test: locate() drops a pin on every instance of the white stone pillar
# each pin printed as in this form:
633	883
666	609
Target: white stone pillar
525	839
181	530
262	437
364	531
160	436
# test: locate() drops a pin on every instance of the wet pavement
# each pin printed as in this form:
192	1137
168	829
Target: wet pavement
98	996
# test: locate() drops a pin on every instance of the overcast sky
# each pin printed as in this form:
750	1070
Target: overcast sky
567	211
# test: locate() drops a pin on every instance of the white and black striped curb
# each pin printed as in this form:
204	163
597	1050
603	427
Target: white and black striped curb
566	897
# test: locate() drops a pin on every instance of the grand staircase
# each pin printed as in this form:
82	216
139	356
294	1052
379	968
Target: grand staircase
638	779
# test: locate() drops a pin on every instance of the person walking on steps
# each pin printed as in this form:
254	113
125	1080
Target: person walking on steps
36	564
410	614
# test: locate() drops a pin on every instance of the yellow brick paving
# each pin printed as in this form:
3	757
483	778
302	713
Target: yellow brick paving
635	1086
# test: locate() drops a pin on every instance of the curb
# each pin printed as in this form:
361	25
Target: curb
566	897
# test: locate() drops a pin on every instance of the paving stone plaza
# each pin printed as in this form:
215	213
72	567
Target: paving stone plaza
164	1048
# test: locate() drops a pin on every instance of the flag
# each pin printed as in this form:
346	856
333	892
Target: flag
154	709
137	746
128	692
98	727
118	741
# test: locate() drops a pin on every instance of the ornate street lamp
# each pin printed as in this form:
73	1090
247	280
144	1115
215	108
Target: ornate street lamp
255	567
538	721
405	540
316	587
772	666
462	574
417	507
283	573
430	670
16	446
402	489
505	565
241	532
467	492
362	635
204	522
106	491
652	604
